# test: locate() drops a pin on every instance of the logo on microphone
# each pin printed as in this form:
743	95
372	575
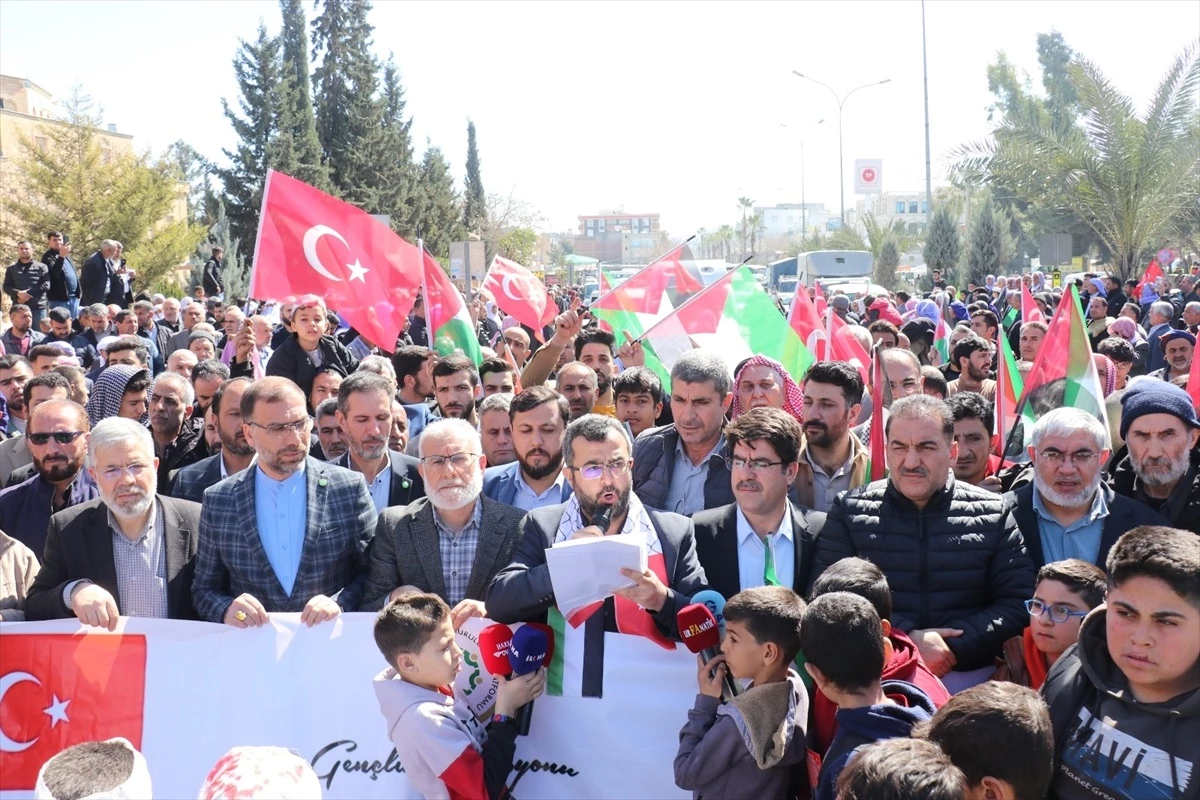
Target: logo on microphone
696	629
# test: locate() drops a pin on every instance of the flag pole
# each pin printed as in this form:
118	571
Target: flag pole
728	276
643	269
262	215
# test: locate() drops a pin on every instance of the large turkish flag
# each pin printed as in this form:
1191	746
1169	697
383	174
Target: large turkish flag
311	243
57	690
520	294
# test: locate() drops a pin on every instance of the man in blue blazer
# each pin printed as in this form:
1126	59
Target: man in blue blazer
539	417
289	534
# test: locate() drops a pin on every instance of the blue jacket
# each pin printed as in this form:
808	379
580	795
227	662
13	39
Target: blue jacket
861	726
500	484
25	508
654	460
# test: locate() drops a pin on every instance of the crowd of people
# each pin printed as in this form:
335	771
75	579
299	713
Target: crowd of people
969	626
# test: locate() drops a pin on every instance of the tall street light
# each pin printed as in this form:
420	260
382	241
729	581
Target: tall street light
841	101
803	204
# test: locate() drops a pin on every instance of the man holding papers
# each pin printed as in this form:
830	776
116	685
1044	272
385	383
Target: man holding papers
597	462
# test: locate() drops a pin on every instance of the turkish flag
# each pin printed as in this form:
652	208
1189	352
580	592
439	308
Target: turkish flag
520	294
1153	272
311	243
57	690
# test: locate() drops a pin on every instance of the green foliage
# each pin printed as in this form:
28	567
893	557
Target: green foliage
296	150
236	272
844	238
519	245
197	172
942	244
886	262
991	245
74	185
439	211
395	178
474	198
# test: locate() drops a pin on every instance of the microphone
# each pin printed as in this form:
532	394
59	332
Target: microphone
700	634
494	641
714	602
602	519
530	649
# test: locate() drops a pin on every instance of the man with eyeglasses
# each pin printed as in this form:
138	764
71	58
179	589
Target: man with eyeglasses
289	534
451	542
57	441
597	457
129	553
761	539
1068	511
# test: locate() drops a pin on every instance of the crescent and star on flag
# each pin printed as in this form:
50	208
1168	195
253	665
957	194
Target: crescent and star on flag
311	237
57	712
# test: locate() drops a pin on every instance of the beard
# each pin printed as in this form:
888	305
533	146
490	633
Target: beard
57	468
236	444
975	374
128	508
452	498
553	464
603	381
821	435
588	504
1174	470
276	460
369	450
1074	500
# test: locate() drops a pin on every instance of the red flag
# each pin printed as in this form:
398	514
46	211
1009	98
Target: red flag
844	347
819	298
671	266
311	243
806	322
876	449
1030	311
1193	386
57	690
1153	272
520	294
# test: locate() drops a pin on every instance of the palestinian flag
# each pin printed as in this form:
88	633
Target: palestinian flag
644	299
1193	384
1064	373
577	667
734	318
1008	389
450	326
941	340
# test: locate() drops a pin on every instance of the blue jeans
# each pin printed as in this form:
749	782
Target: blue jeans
71	305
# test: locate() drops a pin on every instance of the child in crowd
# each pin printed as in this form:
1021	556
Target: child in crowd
901	769
1065	592
981	729
754	745
638	394
442	746
843	643
1125	700
902	660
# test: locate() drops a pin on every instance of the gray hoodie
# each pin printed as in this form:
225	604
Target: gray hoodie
1108	745
748	747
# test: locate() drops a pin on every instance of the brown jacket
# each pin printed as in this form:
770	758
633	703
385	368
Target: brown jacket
859	456
18	568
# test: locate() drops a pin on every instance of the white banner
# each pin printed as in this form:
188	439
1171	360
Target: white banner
868	176
205	688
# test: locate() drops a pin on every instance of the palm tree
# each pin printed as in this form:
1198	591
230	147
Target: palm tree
756	226
744	203
724	237
1128	177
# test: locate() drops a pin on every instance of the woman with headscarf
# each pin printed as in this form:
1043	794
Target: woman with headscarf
1107	371
763	382
1130	331
1038	284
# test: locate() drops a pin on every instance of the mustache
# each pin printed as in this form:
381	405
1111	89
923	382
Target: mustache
749	485
920	472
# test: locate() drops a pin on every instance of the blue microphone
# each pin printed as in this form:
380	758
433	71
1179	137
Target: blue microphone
715	603
530	649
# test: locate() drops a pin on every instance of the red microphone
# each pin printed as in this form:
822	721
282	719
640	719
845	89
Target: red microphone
494	641
700	634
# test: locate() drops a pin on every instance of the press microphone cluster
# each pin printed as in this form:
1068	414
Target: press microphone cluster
700	634
715	603
516	653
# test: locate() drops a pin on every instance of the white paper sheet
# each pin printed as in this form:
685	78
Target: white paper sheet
586	570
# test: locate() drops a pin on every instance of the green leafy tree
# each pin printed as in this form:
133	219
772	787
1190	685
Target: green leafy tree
884	272
236	272
197	172
845	238
396	174
474	198
439	218
991	246
71	183
1128	176
520	245
296	150
943	247
256	66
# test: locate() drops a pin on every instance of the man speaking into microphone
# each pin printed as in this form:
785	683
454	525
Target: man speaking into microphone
597	462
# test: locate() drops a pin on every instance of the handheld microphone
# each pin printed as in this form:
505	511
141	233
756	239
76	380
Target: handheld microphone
529	650
700	634
602	519
714	602
494	641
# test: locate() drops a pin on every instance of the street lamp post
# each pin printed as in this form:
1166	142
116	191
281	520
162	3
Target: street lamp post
841	101
803	203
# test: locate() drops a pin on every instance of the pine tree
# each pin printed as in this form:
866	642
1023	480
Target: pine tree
991	244
397	174
257	68
942	245
296	150
886	264
439	220
236	273
474	200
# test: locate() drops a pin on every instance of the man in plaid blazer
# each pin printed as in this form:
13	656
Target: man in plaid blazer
291	533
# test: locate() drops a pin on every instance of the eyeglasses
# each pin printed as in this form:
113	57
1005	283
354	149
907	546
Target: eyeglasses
753	464
594	471
134	471
458	460
1079	459
62	437
275	429
1058	613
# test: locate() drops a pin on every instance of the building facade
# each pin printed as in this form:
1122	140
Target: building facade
617	237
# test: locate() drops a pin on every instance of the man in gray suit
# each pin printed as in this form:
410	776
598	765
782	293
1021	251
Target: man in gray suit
289	534
596	455
453	541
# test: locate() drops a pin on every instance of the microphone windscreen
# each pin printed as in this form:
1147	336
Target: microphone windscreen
546	629
698	628
528	649
494	642
715	603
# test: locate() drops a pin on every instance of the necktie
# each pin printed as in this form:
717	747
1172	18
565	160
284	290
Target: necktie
769	576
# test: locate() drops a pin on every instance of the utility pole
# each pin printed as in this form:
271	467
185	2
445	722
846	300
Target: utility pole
928	159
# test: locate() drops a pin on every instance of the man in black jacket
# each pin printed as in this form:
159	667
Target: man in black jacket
100	280
213	285
1067	512
951	552
64	281
27	281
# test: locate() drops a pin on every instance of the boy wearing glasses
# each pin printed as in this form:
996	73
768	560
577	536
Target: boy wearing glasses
1065	592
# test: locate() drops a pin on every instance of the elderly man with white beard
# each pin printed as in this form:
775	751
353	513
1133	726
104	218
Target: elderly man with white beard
451	542
130	553
1068	512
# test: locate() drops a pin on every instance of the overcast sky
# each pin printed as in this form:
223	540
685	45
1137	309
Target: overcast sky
669	107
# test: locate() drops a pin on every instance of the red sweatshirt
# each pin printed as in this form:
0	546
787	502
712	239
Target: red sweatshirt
904	665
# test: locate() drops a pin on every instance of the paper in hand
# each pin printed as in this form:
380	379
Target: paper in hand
583	571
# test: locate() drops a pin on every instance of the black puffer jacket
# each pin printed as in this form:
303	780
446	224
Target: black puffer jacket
290	361
958	563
